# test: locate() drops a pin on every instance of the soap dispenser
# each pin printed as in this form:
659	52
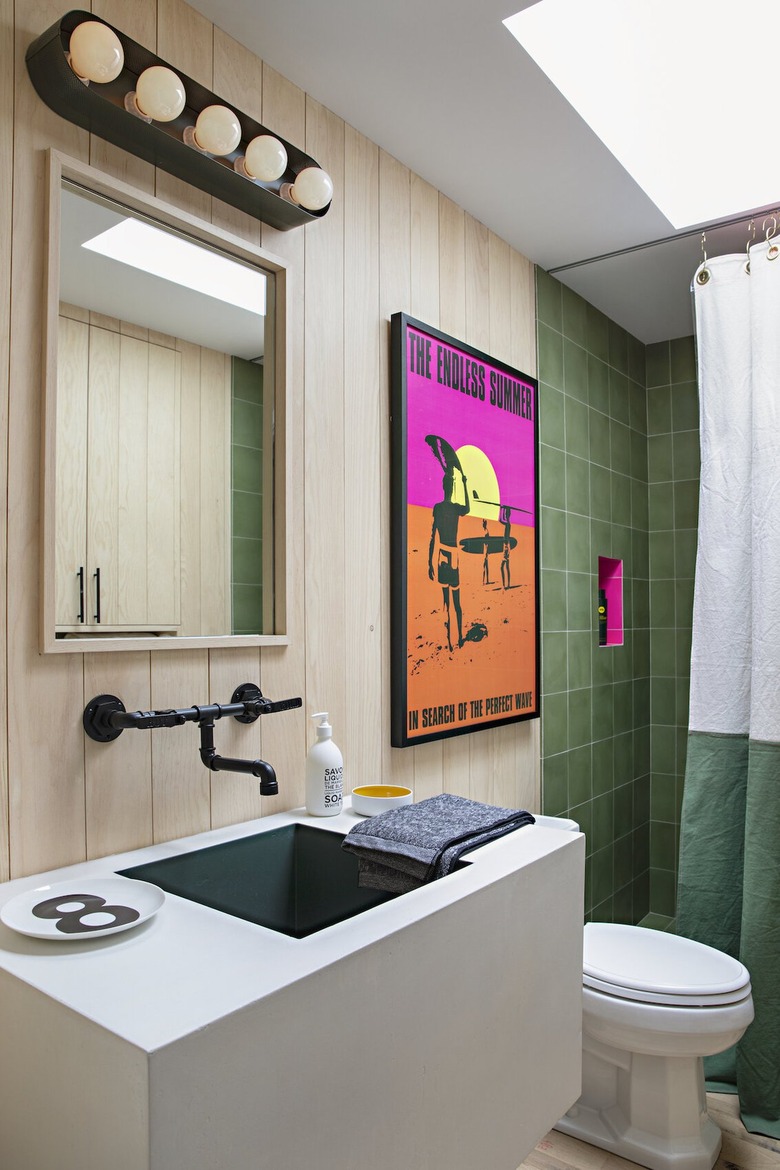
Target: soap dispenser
324	772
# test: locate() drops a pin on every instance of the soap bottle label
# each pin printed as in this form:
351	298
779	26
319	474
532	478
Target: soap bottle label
334	783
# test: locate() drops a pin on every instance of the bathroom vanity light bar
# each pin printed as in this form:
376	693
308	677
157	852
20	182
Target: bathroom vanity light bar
95	76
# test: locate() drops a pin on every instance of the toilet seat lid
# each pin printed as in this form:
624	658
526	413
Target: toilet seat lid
651	965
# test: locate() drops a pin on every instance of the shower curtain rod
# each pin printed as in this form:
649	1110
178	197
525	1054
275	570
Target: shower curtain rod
711	227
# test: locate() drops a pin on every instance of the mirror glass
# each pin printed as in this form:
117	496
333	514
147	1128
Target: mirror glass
163	432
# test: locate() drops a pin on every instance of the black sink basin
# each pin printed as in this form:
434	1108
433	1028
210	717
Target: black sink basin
296	879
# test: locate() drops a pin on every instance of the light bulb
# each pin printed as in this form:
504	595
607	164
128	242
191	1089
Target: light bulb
160	94
265	159
312	189
96	52
216	131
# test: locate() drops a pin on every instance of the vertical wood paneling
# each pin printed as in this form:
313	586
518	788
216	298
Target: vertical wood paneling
390	243
365	400
395	266
6	227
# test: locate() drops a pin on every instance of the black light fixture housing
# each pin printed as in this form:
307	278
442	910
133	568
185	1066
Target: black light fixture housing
100	108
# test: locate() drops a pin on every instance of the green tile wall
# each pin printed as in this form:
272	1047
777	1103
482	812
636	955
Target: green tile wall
673	494
594	502
247	497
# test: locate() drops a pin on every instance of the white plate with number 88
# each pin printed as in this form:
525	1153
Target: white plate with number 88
82	909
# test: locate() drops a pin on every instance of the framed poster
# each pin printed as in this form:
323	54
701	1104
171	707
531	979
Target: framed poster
464	538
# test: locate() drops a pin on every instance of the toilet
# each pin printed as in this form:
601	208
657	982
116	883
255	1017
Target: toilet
653	1005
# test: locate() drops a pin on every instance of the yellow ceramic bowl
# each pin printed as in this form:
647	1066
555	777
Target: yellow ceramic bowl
370	799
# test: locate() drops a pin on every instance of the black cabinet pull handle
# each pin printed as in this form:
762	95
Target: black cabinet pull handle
80	576
97	596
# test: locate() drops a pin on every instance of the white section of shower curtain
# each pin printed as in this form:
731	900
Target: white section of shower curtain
735	656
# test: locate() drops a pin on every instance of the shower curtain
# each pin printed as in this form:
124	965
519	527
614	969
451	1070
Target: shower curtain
729	875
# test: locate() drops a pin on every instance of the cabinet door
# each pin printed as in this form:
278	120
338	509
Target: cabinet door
71	478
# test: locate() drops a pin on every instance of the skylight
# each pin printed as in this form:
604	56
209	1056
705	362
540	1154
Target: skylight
682	92
184	263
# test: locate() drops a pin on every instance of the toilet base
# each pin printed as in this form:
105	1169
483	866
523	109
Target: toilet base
648	1109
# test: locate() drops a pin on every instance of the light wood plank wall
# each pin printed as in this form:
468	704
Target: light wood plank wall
391	242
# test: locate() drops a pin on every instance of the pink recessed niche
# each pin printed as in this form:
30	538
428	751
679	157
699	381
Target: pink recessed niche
611	584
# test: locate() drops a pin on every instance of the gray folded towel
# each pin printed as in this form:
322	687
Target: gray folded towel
417	843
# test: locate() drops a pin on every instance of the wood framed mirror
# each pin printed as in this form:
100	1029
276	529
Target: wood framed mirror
165	450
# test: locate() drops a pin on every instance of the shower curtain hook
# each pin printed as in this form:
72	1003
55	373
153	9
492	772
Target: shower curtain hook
773	250
751	240
703	275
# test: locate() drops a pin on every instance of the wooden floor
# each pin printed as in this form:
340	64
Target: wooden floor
740	1151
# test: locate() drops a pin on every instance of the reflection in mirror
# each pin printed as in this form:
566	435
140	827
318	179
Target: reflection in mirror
163	435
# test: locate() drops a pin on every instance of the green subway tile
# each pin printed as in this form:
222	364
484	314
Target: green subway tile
662	892
641	650
602	665
624	662
603	707
621	504
663	802
580	601
641	701
683	359
636	360
602	862
685	407
659	458
685	552
618	348
624	760
578	544
247	608
603	827
579	653
638	408
682	653
579	717
548	300
598	333
686	459
598	384
600	540
623	705
555	780
574	316
552	476
661	546
621	447
662	614
638	456
639	505
683	602
623	898
663	698
247	519
602	754
600	493
555	724
553	600
577	428
663	750
660	498
662	653
686	503
624	809
247	424
663	842
619	396
551	424
553	538
247	470
247	380
659	410
554	664
575	370
577	484
640	551
641	799
682	699
247	561
580	786
550	357
641	602
682	752
599	438
657	364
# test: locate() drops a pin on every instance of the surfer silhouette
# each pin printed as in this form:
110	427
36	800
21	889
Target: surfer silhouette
444	532
486	558
505	517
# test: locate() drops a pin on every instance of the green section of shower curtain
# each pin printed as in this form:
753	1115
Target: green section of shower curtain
729	898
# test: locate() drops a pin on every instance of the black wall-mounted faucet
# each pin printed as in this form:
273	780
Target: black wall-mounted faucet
105	718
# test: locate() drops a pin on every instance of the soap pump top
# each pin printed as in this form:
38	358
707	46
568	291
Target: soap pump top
324	729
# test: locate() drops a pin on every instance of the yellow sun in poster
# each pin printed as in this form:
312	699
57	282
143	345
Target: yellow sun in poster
482	482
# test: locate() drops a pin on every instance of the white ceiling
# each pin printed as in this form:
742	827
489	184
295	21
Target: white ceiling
444	87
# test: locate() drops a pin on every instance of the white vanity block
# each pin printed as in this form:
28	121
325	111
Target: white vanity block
438	1031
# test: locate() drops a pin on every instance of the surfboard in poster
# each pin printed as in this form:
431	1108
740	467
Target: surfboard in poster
464	586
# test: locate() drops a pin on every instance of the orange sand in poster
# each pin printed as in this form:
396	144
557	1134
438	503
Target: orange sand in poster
492	676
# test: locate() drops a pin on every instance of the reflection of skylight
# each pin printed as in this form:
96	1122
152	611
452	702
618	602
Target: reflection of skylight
676	89
182	262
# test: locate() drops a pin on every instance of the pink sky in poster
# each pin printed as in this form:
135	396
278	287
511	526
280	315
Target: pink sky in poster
503	463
